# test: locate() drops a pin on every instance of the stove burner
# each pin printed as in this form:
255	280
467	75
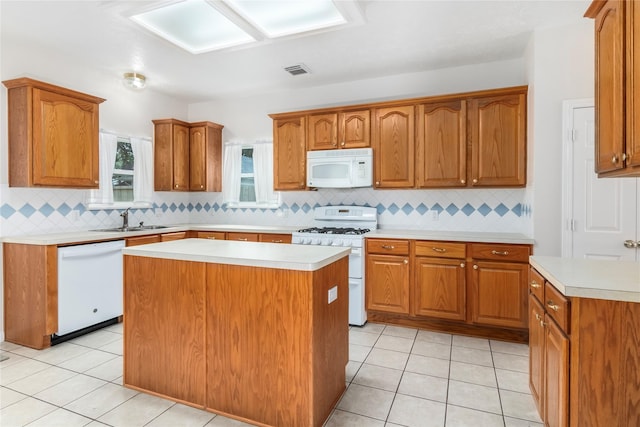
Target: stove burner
334	230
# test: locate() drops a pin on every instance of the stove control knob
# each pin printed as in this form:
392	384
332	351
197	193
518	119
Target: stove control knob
306	241
315	241
337	242
325	242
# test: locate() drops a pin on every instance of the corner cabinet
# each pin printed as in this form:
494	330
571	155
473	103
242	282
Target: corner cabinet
394	147
289	153
187	156
617	76
53	135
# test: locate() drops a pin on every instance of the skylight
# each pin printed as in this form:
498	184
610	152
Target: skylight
200	26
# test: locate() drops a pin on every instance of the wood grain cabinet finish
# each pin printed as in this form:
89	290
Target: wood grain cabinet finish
211	235
440	288
142	240
53	135
205	156
587	373
186	152
243	237
394	147
442	145
387	272
339	129
617	70
497	131
289	153
274	238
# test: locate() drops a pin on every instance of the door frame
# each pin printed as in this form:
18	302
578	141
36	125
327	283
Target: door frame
568	106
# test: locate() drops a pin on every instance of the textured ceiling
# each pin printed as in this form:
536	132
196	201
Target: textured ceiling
395	37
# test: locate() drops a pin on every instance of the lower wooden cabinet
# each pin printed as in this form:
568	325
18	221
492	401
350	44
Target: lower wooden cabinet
439	288
211	235
536	351
556	375
387	286
243	237
274	238
142	240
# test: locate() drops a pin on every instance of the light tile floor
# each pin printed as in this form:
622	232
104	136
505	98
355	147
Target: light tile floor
396	376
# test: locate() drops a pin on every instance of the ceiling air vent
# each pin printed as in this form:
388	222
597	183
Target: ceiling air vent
296	70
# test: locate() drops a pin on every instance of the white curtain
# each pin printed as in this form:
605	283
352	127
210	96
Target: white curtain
107	155
231	169
142	170
263	173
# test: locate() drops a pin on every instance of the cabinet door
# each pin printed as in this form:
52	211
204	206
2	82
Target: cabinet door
197	158
498	141
536	352
65	141
355	129
289	154
609	74
394	147
556	380
180	158
442	145
439	288
500	294
387	283
243	237
211	235
322	131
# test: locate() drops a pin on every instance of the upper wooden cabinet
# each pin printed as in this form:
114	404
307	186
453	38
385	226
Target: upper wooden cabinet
497	130
333	130
289	153
394	147
205	157
187	156
617	77
442	145
53	135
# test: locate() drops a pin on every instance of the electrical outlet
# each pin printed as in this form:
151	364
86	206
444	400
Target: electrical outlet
434	215
333	294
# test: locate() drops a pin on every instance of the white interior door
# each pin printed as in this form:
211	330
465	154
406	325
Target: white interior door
600	214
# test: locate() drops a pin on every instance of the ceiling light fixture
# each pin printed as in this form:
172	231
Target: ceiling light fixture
134	80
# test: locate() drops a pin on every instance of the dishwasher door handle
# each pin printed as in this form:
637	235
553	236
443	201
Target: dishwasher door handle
88	254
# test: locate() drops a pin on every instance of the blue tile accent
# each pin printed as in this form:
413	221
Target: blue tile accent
64	209
173	207
27	210
452	209
164	207
80	208
198	207
407	209
47	209
306	208
182	207
437	208
517	209
501	209
6	211
484	209
393	208
468	209
422	209
380	208
295	208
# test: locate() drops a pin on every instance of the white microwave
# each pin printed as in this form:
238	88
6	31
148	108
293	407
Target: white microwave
345	168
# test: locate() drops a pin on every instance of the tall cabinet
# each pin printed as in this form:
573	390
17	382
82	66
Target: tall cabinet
617	77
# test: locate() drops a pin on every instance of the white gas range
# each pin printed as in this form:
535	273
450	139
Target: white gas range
344	226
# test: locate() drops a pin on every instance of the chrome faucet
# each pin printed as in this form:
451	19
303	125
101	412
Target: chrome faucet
125	218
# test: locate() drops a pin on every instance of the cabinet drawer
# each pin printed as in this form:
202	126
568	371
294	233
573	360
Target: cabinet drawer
243	237
388	246
536	284
440	249
501	252
178	235
557	306
275	238
211	235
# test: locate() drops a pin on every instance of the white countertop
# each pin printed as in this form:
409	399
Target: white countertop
254	254
455	236
608	280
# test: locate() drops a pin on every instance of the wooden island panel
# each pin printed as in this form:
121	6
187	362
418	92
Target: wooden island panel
164	322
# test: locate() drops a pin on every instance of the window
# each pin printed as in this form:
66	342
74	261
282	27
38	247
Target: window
122	178
126	173
248	175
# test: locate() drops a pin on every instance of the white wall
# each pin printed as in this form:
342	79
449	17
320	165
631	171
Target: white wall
560	66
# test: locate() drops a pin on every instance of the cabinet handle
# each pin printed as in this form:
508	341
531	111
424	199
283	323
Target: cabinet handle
462	264
475	267
388	247
242	239
538	317
630	244
614	159
276	241
439	250
504	253
406	261
542	323
535	284
211	238
552	306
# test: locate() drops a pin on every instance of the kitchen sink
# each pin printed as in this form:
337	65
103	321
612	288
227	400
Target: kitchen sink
140	228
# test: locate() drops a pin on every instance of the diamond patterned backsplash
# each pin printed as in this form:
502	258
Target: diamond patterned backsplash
29	211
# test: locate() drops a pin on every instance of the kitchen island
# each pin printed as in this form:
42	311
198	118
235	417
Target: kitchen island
584	341
253	331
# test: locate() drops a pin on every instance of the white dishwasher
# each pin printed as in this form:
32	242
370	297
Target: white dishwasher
89	285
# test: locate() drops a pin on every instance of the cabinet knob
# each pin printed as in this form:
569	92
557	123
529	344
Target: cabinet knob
614	159
475	180
377	182
201	186
463	181
552	306
475	267
625	156
176	185
462	264
534	284
96	182
343	144
406	261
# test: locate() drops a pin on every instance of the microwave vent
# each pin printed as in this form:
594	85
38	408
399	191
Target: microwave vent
298	69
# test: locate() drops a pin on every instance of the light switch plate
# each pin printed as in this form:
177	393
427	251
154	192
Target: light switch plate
333	294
